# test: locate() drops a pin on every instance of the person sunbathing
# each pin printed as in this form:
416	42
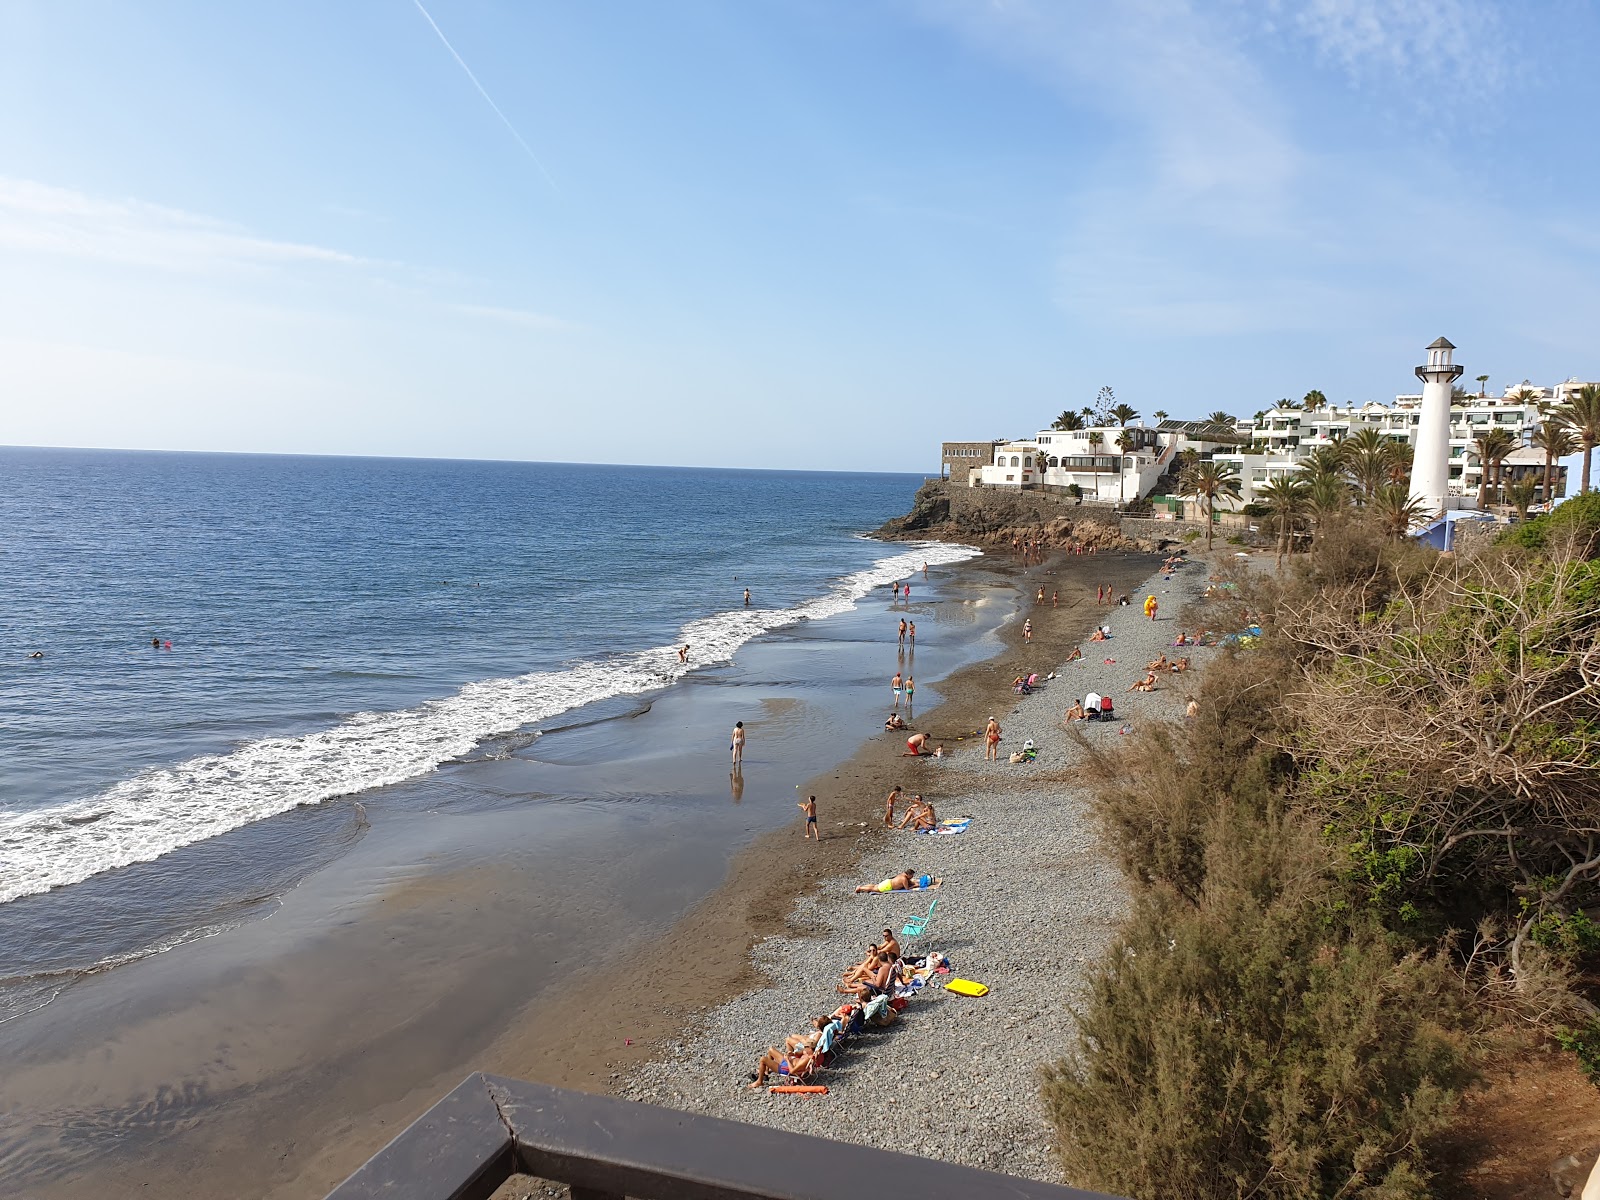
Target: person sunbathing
905	881
1077	653
864	967
1183	638
1147	684
920	812
890	945
797	1042
877	976
1159	664
775	1063
1075	713
1099	635
1182	665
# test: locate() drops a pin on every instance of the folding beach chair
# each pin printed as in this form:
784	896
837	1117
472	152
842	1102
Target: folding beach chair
915	926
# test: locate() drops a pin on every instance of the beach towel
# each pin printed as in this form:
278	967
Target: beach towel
949	828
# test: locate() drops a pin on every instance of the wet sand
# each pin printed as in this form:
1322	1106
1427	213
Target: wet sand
274	1062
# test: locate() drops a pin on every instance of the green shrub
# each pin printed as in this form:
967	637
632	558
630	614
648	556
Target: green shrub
1262	1043
1235	539
1585	1043
1190	535
1574	522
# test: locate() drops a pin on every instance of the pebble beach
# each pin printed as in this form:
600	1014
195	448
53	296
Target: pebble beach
1028	902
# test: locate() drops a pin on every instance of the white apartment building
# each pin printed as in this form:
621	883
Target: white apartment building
1101	469
1281	437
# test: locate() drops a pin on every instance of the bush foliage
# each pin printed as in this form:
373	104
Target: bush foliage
1411	749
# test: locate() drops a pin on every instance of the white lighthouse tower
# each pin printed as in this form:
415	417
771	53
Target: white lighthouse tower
1430	468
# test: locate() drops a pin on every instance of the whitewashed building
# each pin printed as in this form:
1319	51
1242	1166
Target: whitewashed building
1092	460
1280	438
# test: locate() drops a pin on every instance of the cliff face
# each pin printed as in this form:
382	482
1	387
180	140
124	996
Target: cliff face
987	517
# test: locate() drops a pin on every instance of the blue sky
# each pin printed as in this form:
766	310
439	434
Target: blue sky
781	233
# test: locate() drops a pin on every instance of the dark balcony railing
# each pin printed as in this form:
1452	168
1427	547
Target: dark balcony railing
490	1128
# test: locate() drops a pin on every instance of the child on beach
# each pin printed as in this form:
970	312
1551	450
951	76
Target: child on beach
888	812
809	807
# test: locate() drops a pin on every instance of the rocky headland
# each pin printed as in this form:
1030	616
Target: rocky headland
942	511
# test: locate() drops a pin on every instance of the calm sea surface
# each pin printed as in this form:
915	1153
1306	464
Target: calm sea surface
337	625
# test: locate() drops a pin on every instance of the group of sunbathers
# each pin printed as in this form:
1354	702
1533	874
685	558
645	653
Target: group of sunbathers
872	984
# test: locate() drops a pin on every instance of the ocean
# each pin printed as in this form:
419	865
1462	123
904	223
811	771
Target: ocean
230	643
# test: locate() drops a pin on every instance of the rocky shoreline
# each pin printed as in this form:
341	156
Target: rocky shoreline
1029	901
991	517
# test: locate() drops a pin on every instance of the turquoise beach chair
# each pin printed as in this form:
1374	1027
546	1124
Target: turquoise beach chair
916	926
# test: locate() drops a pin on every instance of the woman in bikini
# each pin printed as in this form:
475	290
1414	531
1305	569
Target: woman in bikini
773	1062
991	739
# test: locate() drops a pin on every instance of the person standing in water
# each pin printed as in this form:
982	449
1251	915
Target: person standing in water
747	597
738	743
902	631
911	692
896	683
911	633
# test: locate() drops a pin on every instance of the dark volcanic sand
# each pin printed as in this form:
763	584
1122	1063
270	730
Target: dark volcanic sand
274	1060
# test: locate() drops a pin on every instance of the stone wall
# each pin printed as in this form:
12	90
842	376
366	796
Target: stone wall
995	507
1171	531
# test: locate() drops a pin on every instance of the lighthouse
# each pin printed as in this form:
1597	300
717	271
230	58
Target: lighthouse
1430	468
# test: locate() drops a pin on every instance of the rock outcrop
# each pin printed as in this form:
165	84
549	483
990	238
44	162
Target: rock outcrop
987	517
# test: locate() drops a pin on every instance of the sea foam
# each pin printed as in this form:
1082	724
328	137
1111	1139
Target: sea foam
157	811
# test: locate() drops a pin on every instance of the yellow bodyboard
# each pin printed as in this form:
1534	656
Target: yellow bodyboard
965	987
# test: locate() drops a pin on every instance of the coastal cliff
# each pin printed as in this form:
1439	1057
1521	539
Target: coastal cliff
987	517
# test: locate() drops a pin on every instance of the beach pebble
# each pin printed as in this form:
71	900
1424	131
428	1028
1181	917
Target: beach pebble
1028	901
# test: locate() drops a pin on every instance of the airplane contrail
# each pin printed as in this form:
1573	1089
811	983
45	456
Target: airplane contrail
527	149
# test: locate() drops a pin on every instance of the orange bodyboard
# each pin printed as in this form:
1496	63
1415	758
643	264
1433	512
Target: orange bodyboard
806	1089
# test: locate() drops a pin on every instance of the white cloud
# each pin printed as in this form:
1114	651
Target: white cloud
37	218
1416	38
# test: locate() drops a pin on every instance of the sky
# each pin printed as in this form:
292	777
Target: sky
773	233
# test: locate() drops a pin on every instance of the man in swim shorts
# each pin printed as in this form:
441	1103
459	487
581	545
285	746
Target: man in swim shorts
914	745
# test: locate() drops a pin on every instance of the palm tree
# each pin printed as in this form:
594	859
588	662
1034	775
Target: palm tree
1160	415
1125	442
1395	509
1287	498
1068	421
1483	383
1401	456
1205	481
1493	445
1556	440
1096	439
1219	418
1520	492
1327	495
1088	412
1124	413
1315	399
1367	456
1581	414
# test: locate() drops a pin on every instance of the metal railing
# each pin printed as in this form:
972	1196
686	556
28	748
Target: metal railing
491	1128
